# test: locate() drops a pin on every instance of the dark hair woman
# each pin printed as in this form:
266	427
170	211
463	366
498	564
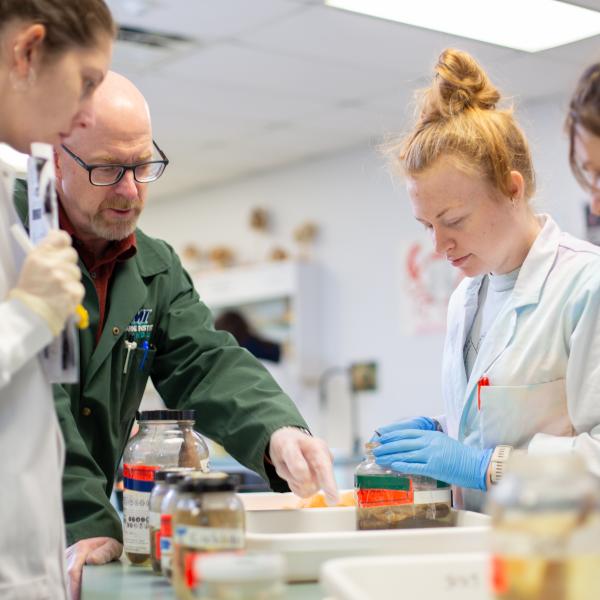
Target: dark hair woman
53	55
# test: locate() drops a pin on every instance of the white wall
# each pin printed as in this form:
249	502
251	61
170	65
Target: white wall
363	217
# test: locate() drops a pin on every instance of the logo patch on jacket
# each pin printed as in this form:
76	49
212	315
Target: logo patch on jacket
140	328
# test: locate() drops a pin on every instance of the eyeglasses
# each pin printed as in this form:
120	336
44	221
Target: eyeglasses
590	178
111	174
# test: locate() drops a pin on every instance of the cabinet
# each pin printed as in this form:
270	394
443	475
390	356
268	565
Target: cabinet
281	301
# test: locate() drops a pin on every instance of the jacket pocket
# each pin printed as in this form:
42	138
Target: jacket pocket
136	378
514	414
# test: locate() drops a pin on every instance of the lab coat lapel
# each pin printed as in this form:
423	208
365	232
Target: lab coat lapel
127	295
7	180
460	325
527	291
498	338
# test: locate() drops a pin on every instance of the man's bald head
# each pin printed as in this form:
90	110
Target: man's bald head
120	135
120	110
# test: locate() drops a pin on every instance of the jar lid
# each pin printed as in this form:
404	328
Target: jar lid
161	474
175	476
238	568
199	474
210	482
166	415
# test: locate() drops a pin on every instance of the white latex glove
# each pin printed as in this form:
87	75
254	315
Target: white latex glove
304	462
92	551
50	280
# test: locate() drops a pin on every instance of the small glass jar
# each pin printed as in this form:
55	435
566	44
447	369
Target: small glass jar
386	499
165	439
209	517
159	491
546	530
240	577
167	508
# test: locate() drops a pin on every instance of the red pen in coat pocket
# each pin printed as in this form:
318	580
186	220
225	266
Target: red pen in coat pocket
483	381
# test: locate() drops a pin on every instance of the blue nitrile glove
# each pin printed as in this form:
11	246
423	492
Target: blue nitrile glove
424	423
434	454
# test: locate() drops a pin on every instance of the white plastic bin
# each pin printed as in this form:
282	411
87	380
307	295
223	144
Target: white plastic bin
310	536
440	576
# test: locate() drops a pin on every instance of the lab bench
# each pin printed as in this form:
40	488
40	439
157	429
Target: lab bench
120	581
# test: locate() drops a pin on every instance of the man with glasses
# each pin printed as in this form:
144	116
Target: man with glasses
147	320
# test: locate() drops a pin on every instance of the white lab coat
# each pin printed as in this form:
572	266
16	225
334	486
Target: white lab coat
541	355
32	539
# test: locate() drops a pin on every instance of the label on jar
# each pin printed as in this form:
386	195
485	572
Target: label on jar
385	482
370	498
499	575
166	552
432	496
166	545
209	538
138	483
154	519
384	490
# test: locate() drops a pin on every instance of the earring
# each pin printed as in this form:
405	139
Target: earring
513	202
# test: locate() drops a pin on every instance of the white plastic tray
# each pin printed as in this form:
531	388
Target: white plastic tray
310	536
440	576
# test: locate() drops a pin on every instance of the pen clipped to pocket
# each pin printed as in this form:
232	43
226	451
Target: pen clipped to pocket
483	382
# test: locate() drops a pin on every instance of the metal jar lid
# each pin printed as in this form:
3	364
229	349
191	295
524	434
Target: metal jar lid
166	415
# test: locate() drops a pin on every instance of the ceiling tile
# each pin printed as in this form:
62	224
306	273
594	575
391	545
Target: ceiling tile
345	38
529	77
274	72
583	52
224	99
202	20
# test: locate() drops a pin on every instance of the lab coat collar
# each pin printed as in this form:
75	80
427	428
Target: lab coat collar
534	270
537	264
148	260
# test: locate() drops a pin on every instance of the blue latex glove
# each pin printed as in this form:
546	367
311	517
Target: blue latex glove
424	423
434	454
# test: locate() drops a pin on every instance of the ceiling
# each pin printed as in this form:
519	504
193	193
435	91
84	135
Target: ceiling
266	83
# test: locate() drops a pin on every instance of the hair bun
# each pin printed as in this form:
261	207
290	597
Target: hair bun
459	84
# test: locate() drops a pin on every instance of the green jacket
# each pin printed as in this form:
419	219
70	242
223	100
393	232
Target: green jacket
192	366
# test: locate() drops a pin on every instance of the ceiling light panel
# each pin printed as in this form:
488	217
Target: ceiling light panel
531	25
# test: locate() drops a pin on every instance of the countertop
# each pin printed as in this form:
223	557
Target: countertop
121	581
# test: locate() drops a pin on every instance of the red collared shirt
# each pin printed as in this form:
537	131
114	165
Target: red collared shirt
100	268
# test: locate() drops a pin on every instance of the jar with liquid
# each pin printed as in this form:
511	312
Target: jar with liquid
546	530
386	499
166	438
209	517
159	491
167	508
240	577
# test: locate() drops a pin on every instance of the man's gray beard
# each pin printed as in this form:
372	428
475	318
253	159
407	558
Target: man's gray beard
112	231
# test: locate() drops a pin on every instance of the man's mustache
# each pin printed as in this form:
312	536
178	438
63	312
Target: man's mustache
121	204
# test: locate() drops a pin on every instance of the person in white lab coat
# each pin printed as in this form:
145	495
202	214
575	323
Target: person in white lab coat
53	54
521	363
583	127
